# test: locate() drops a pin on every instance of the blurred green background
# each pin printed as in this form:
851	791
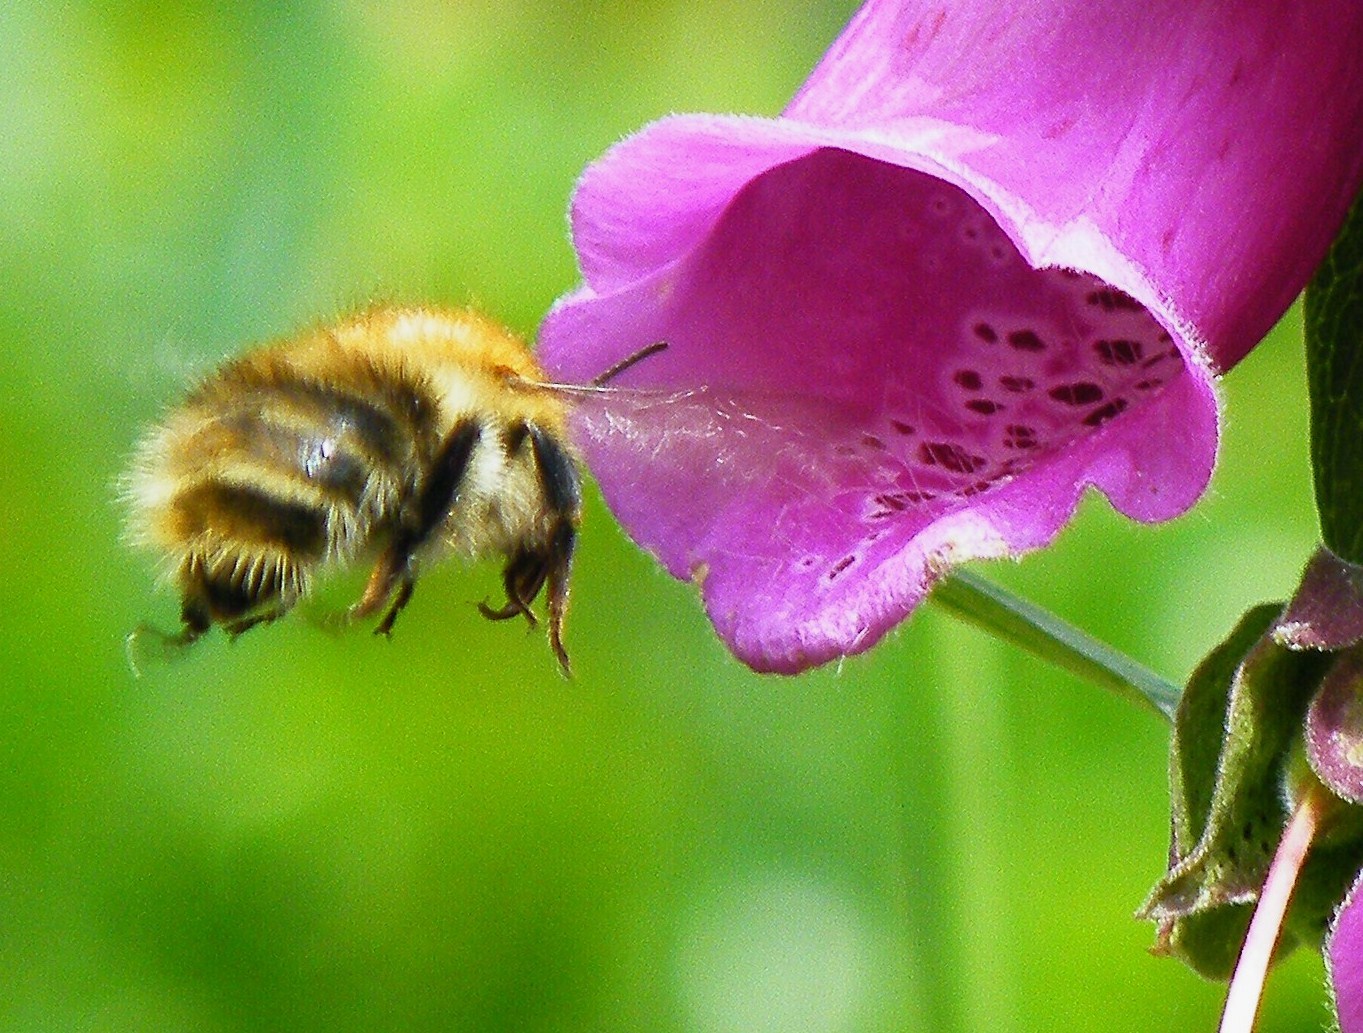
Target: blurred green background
301	832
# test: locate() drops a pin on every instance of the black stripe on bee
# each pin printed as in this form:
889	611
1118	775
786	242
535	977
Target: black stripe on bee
248	515
558	472
514	437
323	411
442	486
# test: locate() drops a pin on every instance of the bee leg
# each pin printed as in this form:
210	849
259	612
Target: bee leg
394	575
235	629
400	599
523	578
558	566
147	645
563	489
383	579
389	588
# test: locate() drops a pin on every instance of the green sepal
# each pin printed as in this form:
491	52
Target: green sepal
1334	364
1239	717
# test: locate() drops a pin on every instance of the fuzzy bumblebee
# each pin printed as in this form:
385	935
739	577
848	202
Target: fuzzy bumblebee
396	437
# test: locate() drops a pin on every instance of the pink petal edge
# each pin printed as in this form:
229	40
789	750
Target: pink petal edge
1344	961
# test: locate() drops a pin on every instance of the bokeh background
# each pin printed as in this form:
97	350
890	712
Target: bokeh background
306	832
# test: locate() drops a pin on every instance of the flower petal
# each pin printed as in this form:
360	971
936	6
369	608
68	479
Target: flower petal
890	370
910	321
1216	147
1344	958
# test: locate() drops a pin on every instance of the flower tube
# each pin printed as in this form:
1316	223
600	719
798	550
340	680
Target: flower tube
988	256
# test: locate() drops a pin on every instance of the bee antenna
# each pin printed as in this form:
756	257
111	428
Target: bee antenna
628	361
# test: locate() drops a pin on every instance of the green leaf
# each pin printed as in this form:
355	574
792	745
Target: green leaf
1334	363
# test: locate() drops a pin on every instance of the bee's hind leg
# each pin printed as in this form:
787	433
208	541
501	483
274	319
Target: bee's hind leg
522	579
557	569
400	599
389	589
239	627
394	576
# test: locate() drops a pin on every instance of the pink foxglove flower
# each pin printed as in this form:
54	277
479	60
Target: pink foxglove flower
990	254
1344	956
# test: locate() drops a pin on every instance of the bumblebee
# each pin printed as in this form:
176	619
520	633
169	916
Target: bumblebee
398	436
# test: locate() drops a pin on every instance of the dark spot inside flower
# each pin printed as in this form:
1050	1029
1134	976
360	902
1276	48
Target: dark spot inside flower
896	502
1155	360
901	427
1017	385
1026	341
1149	384
968	379
871	441
1119	352
844	450
986	333
1102	415
983	406
997	254
1020	436
840	566
1109	299
971	233
949	456
1082	392
806	562
976	488
918	496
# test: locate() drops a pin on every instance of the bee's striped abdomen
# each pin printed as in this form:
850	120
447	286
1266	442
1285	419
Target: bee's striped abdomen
252	517
283	472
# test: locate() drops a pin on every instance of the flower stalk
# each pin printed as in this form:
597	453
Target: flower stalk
1251	970
1029	627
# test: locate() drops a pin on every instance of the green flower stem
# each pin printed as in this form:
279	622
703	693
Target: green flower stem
1044	635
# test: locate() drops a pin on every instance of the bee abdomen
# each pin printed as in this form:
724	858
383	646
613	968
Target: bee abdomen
250	517
230	586
246	549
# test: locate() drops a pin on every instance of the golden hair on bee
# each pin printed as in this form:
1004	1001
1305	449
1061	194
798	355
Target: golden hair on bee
397	436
